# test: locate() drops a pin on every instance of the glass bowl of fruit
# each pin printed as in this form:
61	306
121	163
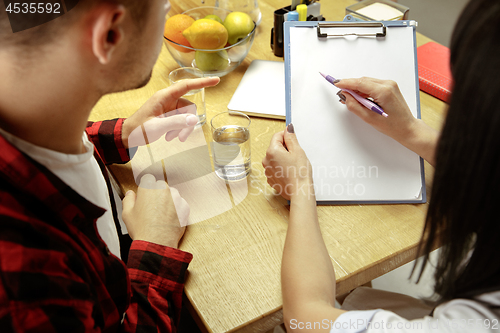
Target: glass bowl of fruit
212	39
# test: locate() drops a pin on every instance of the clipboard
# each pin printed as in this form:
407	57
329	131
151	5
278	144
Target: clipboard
352	162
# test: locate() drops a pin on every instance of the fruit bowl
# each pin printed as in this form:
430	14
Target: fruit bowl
222	61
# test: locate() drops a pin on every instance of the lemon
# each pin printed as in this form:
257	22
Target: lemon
212	61
206	34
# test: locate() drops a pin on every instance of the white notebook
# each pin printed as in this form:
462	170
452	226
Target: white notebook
261	91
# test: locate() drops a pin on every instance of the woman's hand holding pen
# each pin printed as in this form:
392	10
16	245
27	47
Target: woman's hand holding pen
400	125
386	94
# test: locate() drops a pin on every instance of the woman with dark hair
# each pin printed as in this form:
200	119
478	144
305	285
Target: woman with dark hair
462	214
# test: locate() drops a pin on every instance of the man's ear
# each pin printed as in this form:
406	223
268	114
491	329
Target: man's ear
107	31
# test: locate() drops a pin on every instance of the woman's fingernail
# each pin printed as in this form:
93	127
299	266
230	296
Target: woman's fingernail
191	120
341	95
336	81
129	192
290	128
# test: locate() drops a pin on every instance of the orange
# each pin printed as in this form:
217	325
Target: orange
173	30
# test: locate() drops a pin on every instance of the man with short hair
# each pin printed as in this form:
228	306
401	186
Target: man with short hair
59	239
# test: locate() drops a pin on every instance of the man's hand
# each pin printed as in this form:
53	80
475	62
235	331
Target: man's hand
156	214
165	113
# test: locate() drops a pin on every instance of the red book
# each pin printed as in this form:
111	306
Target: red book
434	72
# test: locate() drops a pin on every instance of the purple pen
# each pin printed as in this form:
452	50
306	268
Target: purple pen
364	101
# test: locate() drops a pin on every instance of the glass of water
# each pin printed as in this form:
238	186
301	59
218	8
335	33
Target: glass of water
195	96
231	145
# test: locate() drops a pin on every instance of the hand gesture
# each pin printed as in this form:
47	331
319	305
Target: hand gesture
165	113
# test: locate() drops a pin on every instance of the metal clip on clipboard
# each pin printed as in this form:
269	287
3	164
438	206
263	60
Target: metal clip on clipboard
352	25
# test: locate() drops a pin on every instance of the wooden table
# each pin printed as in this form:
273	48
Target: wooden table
234	278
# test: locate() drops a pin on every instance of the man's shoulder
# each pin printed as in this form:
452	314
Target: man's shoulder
28	221
22	219
14	205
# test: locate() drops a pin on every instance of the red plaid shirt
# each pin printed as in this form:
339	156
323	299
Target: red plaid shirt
56	273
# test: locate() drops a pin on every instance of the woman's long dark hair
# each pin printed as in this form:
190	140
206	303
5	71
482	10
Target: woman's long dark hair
464	209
